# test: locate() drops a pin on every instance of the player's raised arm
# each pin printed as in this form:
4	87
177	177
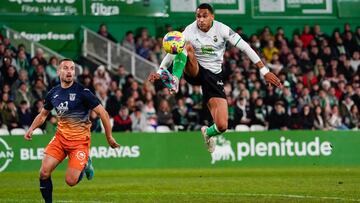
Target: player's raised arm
39	120
104	116
236	40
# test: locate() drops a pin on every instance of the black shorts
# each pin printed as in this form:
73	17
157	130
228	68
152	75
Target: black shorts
211	84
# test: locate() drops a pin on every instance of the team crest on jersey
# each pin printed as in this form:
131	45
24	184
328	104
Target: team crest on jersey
72	96
80	155
215	38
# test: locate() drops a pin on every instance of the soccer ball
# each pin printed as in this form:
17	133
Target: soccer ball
174	42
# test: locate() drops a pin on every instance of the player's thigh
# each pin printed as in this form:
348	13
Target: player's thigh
219	111
78	157
54	154
192	67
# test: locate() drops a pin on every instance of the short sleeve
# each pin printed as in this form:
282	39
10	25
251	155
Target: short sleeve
48	105
89	99
186	33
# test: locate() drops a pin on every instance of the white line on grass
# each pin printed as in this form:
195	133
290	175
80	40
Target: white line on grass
246	194
301	196
290	196
60	201
70	201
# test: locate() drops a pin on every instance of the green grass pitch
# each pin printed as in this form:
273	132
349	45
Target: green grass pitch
311	184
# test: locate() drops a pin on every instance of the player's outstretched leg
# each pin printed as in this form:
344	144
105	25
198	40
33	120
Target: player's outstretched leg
219	111
191	67
179	64
169	80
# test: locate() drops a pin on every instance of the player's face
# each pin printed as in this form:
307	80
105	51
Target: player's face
66	71
204	19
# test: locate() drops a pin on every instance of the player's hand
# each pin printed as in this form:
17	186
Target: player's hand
271	78
28	135
153	76
112	142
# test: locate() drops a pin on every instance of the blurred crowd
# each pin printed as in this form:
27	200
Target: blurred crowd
320	73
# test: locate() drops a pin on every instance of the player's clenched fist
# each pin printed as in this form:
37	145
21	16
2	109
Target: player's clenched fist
28	135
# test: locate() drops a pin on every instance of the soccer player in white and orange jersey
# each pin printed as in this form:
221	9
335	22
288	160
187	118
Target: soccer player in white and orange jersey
73	104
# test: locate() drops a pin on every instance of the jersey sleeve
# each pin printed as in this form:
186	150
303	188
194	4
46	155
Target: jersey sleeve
186	33
89	99
229	35
47	104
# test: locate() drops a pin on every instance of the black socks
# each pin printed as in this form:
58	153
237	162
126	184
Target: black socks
46	189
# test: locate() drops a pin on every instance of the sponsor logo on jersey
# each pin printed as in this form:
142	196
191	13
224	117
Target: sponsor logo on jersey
62	108
72	96
207	49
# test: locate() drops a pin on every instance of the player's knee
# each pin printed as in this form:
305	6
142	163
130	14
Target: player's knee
222	126
71	181
44	173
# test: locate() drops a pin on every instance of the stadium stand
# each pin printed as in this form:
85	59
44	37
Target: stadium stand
37	131
17	131
320	72
4	132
